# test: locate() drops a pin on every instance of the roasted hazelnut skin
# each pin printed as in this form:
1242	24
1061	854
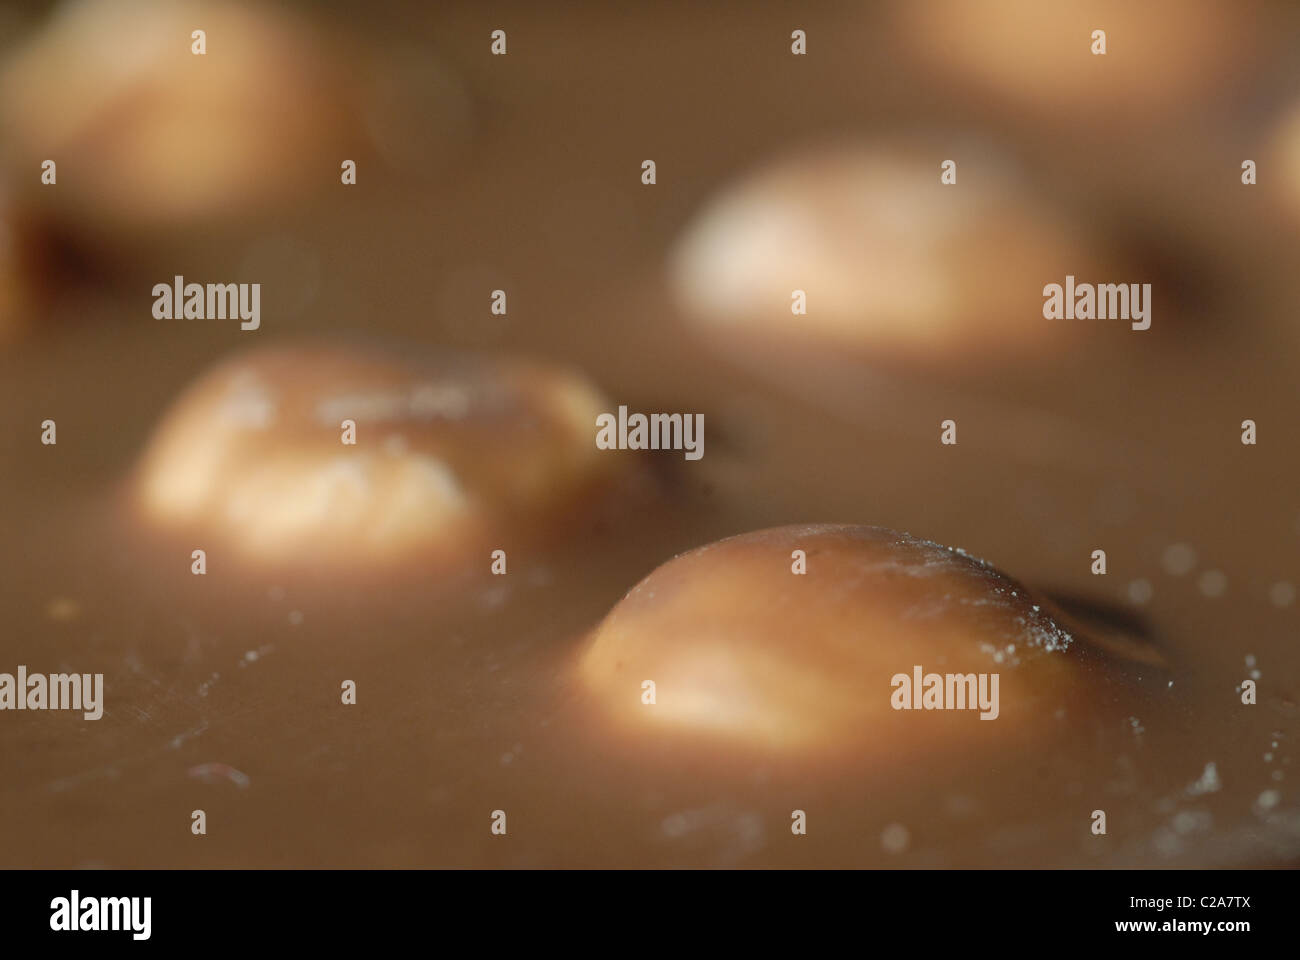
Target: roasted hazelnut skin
451	453
744	651
894	266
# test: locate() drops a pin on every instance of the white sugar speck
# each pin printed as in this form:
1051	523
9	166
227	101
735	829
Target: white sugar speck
1208	783
1140	592
1188	821
1212	583
1178	559
1167	842
895	838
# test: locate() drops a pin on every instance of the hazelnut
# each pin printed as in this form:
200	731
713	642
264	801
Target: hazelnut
448	455
891	261
743	650
1160	54
145	131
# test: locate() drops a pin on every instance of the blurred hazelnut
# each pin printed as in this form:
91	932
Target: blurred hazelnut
143	130
891	260
448	455
1159	53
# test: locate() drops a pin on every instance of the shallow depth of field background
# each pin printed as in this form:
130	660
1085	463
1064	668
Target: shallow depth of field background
523	172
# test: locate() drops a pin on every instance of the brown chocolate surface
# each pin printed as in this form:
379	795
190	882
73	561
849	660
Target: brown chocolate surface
222	691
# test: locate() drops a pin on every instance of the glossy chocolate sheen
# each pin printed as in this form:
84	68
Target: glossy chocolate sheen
793	640
478	692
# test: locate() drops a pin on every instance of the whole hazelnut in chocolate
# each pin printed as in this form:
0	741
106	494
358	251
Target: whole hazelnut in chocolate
340	455
146	129
861	248
1161	54
838	639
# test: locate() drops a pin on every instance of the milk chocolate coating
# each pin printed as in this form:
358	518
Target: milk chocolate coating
449	454
742	650
891	259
